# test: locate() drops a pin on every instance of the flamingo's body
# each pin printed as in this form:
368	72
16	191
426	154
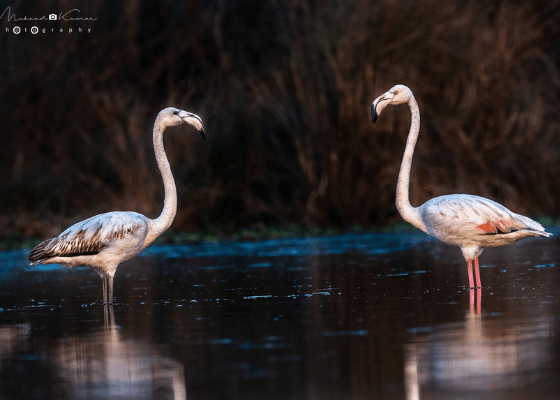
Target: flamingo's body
106	240
469	222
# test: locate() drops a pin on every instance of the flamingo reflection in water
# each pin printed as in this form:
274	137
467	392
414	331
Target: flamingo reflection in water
107	362
459	359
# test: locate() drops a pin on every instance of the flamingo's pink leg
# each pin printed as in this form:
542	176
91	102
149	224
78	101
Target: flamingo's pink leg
471	303
471	281
477	272
478	300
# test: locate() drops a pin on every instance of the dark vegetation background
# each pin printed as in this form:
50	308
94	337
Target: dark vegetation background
284	89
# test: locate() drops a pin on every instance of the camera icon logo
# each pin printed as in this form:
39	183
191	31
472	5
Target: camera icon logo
52	17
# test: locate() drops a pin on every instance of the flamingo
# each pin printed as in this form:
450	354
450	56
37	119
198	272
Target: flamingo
104	241
469	222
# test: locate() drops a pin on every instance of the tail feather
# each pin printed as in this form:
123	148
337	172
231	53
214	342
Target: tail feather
544	233
532	225
40	253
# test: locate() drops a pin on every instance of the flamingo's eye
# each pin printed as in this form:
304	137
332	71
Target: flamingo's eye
175	112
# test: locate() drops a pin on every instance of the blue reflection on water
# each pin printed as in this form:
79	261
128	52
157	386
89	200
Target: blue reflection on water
10	261
362	332
372	243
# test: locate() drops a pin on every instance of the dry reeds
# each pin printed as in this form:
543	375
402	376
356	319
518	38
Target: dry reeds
284	89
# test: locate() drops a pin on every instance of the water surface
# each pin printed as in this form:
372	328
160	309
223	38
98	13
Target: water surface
376	316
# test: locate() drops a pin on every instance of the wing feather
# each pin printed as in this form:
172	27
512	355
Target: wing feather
88	237
485	215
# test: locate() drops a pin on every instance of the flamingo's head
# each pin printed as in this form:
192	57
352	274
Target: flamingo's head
171	116
398	94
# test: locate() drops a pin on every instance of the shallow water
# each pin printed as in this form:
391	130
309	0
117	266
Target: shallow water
347	317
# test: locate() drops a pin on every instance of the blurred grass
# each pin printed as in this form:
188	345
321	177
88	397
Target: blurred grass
284	89
216	234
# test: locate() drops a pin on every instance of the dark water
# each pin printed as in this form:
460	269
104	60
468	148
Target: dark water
349	317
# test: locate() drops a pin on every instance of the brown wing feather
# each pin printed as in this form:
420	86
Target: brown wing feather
88	237
62	247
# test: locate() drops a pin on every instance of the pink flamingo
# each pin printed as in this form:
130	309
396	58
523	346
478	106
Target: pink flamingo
470	222
106	240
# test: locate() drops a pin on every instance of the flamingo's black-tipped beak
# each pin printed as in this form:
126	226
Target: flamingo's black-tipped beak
192	119
373	113
378	105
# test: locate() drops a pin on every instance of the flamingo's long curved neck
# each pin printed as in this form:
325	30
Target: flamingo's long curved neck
159	225
409	213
